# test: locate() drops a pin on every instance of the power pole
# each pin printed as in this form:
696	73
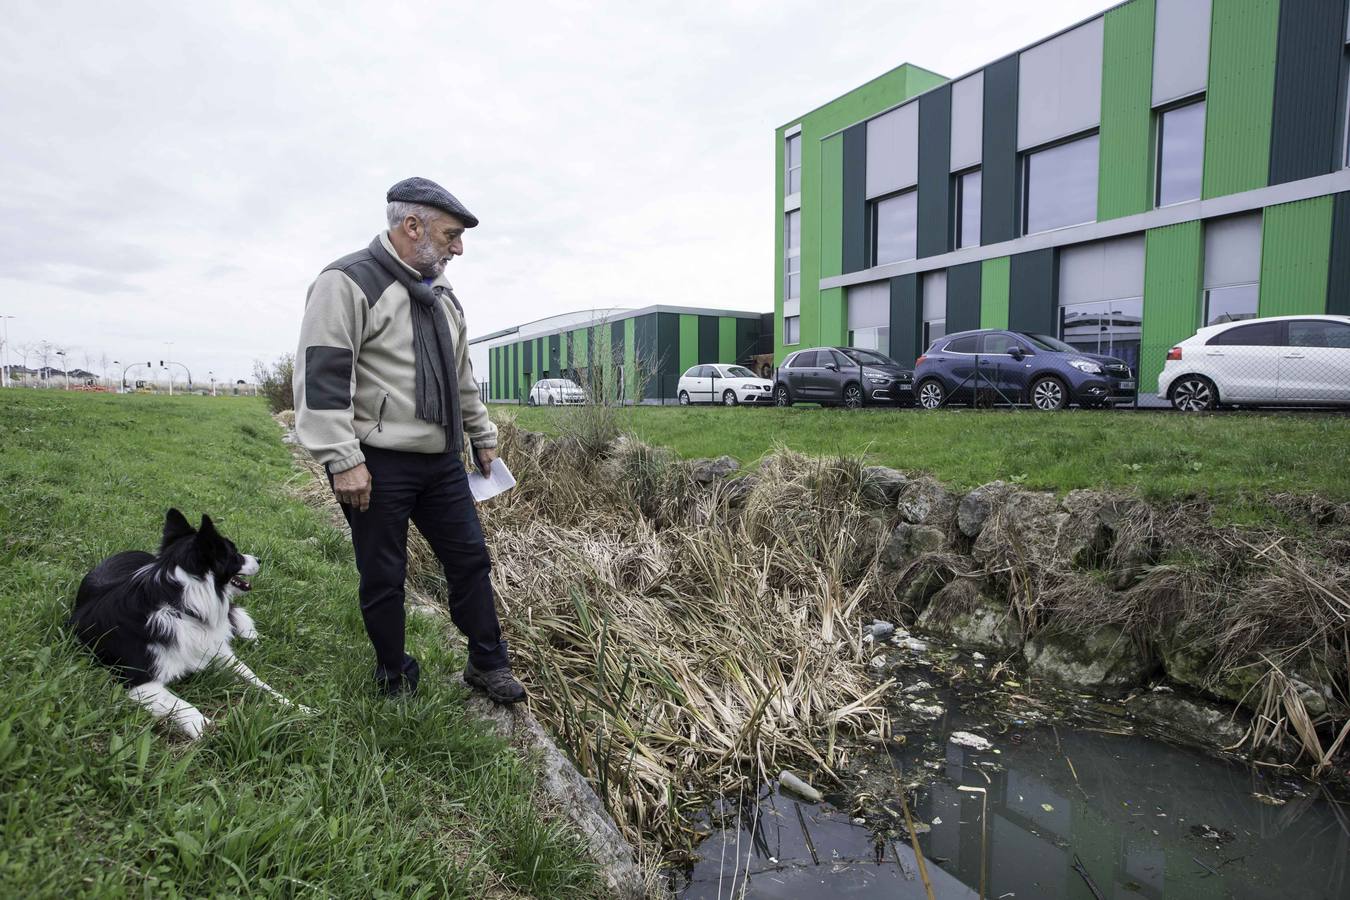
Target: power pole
4	362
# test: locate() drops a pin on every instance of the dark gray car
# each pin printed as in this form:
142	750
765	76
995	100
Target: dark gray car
842	376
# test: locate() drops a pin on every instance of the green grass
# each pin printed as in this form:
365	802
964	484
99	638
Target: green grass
370	798
1235	459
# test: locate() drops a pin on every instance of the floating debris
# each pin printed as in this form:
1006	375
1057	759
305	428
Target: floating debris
797	786
918	687
973	741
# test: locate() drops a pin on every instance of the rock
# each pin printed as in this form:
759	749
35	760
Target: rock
966	739
1021	528
926	711
878	662
706	471
1106	661
961	613
915	593
924	501
976	506
882	485
908	542
1191	720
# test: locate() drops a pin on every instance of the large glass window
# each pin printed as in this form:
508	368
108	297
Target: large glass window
792	184
1258	334
1229	304
1059	186
878	339
1181	150
934	307
1106	327
793	256
967	222
1319	333
894	229
792	330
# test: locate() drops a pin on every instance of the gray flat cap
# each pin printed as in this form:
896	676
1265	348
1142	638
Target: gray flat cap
429	193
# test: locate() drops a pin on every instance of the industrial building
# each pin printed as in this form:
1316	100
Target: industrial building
1161	166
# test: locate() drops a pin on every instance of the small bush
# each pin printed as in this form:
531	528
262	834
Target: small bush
274	382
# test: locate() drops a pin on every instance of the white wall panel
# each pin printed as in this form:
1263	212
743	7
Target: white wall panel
1059	90
869	305
968	122
893	150
1102	270
1180	49
1233	250
935	295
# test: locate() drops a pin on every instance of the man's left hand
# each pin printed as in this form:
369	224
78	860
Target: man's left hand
484	457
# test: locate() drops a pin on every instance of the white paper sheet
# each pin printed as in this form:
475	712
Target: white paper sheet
499	481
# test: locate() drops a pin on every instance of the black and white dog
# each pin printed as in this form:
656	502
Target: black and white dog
154	619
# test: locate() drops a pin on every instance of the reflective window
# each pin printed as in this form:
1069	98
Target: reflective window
792	287
968	209
1315	333
1229	304
1060	186
739	372
793	184
1000	343
1105	327
792	330
934	329
964	344
1181	150
878	339
894	229
1257	334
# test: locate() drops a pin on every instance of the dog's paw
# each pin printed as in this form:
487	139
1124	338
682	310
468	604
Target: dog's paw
242	623
192	723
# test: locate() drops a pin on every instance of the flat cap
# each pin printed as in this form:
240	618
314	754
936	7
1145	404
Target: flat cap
429	193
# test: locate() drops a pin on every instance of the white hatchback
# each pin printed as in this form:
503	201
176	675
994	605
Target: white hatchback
555	392
728	385
1277	361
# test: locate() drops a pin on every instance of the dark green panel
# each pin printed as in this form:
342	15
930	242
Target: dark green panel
555	356
644	340
855	241
747	336
906	316
515	372
616	350
707	340
935	153
667	354
1309	51
1033	292
999	203
963	296
1338	275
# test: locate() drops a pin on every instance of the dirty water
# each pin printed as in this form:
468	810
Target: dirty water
1047	811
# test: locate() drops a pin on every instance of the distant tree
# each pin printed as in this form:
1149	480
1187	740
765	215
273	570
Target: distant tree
274	382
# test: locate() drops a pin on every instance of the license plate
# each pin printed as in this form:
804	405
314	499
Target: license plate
906	387
1127	385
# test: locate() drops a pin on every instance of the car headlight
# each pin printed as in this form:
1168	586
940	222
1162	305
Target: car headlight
878	379
1086	365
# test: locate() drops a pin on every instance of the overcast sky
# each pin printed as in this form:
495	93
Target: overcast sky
181	171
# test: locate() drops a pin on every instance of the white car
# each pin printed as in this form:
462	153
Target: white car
1277	361
728	385
555	392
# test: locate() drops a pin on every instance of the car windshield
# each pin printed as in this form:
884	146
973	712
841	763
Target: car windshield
866	357
739	372
570	385
1046	342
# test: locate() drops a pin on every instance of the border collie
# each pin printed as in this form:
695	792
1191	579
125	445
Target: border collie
154	619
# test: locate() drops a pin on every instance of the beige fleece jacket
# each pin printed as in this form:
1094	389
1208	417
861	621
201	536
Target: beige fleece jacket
354	374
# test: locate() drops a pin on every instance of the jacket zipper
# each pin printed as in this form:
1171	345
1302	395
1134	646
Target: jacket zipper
379	417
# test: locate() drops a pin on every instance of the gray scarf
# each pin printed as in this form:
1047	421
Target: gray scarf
433	352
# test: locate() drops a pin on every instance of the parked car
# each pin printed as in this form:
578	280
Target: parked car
728	385
848	376
555	392
1019	367
1276	361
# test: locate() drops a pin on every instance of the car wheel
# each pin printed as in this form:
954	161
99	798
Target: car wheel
684	398
729	398
932	394
853	396
531	401
1194	393
1049	393
781	396
552	400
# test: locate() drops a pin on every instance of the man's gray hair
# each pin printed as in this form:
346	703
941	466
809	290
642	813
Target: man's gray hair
399	210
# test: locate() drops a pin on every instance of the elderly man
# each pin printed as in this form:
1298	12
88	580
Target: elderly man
384	396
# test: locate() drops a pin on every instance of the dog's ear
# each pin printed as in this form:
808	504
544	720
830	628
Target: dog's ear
207	526
175	526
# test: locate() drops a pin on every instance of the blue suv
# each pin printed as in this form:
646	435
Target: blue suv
1018	367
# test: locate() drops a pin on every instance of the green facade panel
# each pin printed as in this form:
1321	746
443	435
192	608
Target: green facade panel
1173	277
833	329
630	370
726	340
1296	257
688	341
831	206
1239	100
1124	183
994	276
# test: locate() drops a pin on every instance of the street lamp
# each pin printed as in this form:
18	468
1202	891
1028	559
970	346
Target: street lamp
4	361
211	375
65	366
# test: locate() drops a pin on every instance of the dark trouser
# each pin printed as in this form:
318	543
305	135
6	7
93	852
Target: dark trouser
432	490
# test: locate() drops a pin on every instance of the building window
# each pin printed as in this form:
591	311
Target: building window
793	182
1106	327
934	308
895	228
792	330
1231	303
1059	186
1181	151
878	339
792	253
967	205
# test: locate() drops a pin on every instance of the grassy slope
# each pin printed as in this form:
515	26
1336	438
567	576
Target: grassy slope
1233	458
370	798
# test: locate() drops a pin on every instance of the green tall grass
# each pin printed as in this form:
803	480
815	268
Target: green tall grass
369	798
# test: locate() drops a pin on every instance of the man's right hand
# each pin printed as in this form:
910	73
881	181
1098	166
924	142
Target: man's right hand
352	487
